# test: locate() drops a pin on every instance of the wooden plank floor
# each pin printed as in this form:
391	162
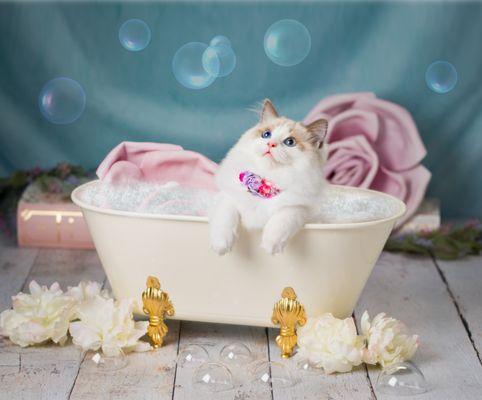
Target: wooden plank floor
441	301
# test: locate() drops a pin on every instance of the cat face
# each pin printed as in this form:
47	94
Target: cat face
278	140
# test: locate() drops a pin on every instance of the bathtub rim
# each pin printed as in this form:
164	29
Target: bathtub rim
402	208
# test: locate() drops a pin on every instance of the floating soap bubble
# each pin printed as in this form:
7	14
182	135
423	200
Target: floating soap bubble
272	373
402	379
187	66
106	363
192	356
134	35
62	100
219	60
213	377
236	354
220	39
441	77
287	42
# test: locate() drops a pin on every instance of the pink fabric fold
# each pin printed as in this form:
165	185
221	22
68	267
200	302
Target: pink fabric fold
157	162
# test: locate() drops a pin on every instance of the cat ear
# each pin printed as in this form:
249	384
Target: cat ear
268	111
318	131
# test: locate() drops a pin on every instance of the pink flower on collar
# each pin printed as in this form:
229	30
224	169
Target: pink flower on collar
257	185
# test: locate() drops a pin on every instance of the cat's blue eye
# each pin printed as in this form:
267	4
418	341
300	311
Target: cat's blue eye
266	135
289	141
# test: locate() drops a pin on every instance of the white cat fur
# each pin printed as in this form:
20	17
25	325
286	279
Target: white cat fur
296	171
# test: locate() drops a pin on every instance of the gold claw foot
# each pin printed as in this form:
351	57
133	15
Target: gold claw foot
288	312
156	305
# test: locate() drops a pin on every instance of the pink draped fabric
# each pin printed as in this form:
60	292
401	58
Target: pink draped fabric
157	162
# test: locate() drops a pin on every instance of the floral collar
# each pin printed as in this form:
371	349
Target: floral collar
257	185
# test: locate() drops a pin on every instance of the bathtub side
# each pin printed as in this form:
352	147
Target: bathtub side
328	268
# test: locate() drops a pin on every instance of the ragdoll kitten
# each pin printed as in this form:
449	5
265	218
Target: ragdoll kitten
271	179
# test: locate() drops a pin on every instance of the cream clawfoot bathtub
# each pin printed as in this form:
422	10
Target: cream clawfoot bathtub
327	264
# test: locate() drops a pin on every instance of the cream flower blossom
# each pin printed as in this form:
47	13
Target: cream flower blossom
42	315
331	343
387	340
108	325
87	290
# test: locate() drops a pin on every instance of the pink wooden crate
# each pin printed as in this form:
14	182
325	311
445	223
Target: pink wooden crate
59	225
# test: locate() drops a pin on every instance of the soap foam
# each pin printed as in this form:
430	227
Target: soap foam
338	206
150	198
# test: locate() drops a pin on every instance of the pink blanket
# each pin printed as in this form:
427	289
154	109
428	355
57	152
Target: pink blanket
157	162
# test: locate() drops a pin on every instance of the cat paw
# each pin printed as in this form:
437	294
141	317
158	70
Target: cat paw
222	245
273	246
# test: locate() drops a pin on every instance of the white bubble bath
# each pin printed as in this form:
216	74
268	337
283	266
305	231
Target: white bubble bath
338	206
162	230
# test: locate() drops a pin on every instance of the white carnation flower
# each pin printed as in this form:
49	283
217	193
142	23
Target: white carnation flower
87	291
108	325
387	340
331	343
42	315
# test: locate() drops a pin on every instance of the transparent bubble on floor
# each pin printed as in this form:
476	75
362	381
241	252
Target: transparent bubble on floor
272	373
236	354
106	363
309	368
402	379
192	356
213	377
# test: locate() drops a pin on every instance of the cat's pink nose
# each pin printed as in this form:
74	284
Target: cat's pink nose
271	144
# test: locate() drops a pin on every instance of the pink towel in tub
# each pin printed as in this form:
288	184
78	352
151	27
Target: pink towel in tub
157	162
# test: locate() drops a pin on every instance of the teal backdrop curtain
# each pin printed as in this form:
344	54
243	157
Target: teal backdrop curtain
384	47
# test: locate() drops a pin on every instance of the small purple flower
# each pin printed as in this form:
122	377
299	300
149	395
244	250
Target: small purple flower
250	180
36	170
63	169
424	242
474	224
72	180
54	187
400	237
445	229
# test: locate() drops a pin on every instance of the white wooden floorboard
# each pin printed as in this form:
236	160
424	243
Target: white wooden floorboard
350	386
213	337
464	279
147	375
15	265
47	372
67	267
410	289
